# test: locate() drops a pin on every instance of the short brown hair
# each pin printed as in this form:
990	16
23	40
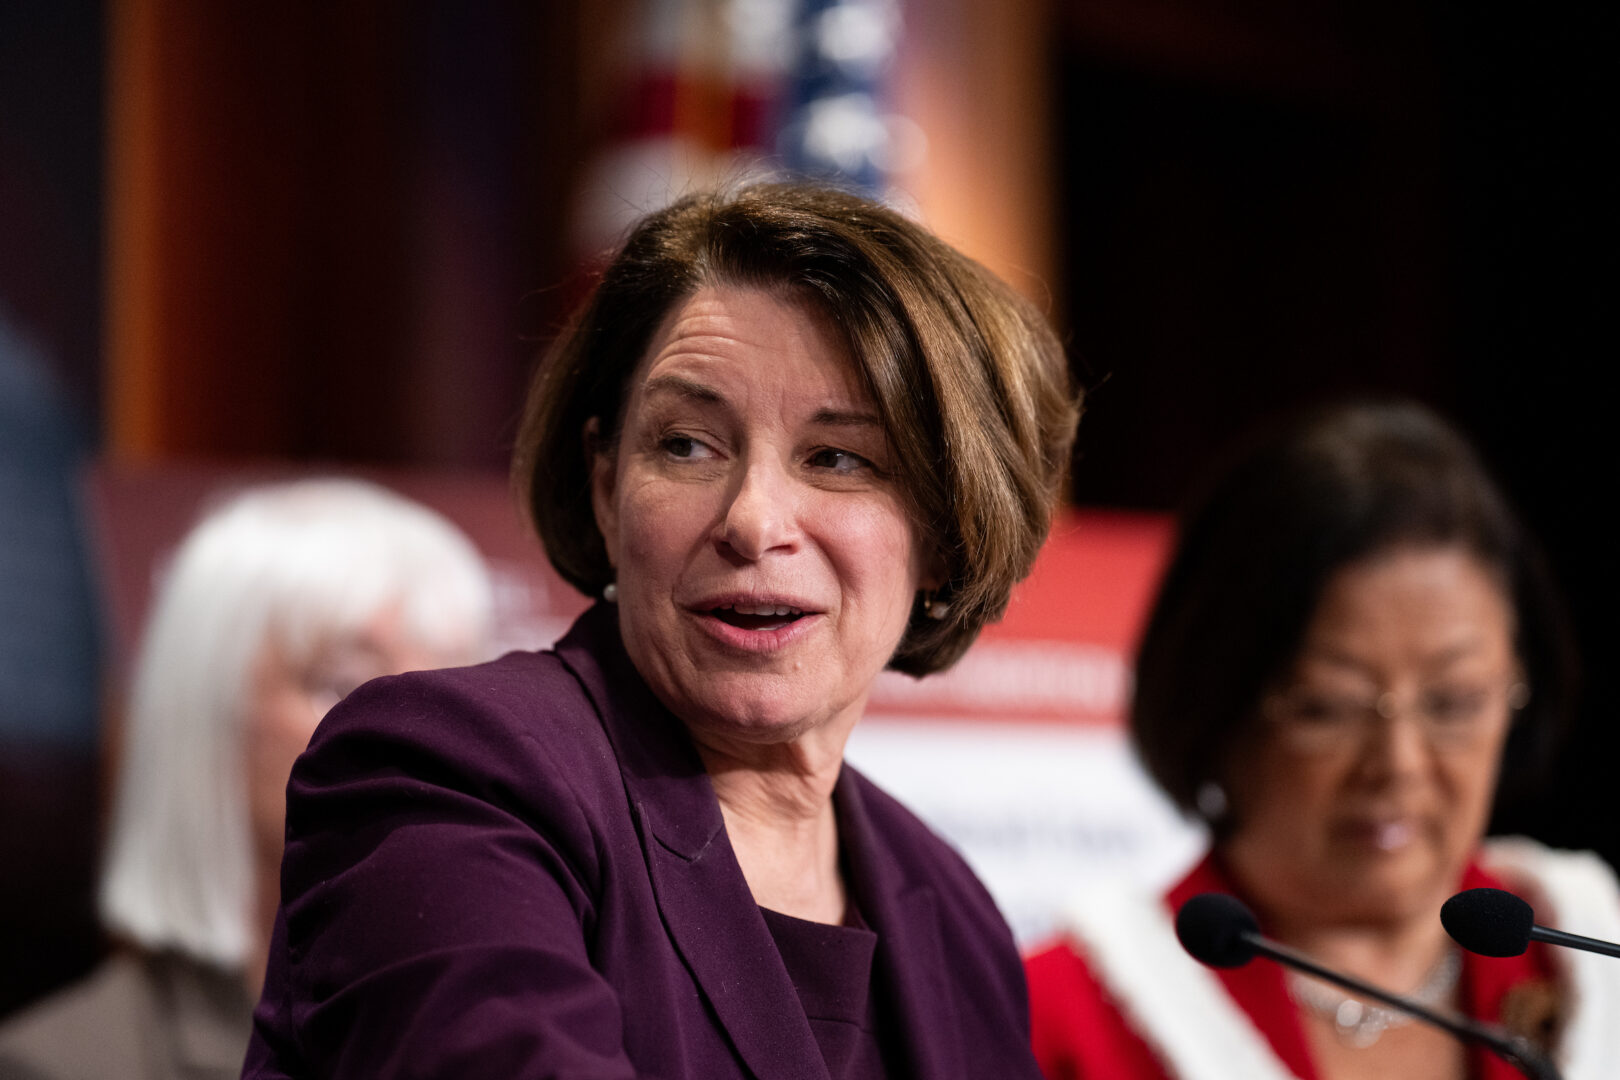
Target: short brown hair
972	385
1307	498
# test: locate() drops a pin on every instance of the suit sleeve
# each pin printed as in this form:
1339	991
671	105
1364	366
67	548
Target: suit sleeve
438	893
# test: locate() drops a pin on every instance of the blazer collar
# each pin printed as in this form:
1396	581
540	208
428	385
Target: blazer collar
699	887
911	961
706	903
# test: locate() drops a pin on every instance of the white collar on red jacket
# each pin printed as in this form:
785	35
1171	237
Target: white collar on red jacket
1182	1011
1577	892
1177	1005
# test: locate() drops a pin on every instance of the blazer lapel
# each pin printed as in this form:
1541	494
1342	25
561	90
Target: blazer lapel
715	923
705	902
911	959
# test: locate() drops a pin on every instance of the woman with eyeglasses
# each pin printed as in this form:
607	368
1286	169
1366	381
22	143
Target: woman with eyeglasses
282	599
1354	647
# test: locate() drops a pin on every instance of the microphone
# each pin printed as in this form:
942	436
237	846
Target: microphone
1496	923
1219	931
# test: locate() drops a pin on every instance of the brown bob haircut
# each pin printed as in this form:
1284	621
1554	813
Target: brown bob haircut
973	388
1326	490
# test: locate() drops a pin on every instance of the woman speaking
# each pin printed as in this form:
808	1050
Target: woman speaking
790	440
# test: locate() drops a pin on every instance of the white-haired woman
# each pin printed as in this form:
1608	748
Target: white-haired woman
275	606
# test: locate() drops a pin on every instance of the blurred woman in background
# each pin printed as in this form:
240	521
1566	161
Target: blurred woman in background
1354	644
275	606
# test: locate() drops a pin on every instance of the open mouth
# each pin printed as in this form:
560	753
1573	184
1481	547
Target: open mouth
757	617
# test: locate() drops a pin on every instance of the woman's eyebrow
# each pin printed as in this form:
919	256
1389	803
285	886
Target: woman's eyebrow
1462	649
692	390
829	417
681	386
1450	653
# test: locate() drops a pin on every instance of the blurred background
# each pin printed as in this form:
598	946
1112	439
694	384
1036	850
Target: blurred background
255	236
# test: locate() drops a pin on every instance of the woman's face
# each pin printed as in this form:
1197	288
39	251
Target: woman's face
1371	779
287	696
765	562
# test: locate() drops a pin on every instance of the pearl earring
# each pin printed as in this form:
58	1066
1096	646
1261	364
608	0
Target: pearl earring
610	592
934	609
1211	801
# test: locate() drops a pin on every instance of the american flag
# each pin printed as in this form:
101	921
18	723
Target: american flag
717	91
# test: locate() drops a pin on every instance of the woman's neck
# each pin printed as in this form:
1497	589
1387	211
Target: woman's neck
1405	957
776	801
1398	955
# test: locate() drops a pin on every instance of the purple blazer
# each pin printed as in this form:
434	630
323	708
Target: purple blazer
520	870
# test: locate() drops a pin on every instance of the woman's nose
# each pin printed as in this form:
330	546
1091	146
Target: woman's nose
1396	741
762	514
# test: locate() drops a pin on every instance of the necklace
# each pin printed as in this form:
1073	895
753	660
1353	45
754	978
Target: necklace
1359	1023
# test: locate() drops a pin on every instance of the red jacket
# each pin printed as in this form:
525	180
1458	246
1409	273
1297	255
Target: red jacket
1079	1032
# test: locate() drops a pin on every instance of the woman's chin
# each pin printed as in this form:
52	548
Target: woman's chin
1389	887
753	718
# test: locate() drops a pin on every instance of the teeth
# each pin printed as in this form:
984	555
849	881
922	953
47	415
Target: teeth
763	609
1394	836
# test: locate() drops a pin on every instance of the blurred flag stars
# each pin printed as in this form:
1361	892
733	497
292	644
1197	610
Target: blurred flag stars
718	91
836	125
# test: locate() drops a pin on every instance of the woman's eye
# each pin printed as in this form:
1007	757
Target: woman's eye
839	461
1313	710
327	687
685	447
1455	706
1321	711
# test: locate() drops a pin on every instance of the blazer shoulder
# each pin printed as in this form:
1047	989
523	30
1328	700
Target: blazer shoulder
518	733
523	705
915	843
923	856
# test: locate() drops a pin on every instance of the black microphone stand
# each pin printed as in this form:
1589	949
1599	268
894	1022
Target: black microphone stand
1513	1049
1573	941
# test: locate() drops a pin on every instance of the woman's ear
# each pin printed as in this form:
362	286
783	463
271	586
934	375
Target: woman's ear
604	480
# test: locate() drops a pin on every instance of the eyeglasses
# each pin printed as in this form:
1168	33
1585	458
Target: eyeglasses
1450	717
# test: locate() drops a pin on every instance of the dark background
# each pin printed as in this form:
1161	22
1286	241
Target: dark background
1259	205
1368	199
